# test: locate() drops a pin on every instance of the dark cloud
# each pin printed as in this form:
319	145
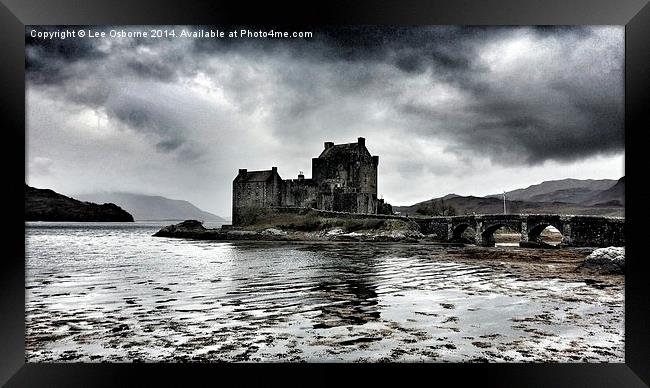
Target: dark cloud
551	30
46	59
141	117
563	104
152	69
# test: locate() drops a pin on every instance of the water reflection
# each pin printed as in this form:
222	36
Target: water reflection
346	287
335	285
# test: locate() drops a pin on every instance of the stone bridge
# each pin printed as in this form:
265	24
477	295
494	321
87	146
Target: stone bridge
577	231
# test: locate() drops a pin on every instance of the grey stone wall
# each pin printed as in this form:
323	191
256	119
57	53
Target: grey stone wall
299	193
596	232
257	194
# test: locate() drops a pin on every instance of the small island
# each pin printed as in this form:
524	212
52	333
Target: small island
48	205
304	225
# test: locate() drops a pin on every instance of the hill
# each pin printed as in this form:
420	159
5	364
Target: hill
153	208
603	197
483	205
48	205
564	190
613	195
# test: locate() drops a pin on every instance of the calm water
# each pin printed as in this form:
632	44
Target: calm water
112	292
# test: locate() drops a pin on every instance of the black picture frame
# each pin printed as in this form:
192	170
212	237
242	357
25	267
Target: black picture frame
15	14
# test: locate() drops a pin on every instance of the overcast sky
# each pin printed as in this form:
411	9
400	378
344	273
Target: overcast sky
471	111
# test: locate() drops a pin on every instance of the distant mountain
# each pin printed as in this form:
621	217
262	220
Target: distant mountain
153	208
48	205
485	205
564	190
613	195
603	197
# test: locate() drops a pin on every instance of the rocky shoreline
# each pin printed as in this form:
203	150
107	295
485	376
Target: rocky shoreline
605	261
193	229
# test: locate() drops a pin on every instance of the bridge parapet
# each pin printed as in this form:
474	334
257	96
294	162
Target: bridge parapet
598	232
577	230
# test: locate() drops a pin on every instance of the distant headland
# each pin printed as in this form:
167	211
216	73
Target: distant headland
48	205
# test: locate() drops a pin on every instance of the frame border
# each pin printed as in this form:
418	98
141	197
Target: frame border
634	14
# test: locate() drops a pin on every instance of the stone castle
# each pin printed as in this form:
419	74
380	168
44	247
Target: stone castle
344	178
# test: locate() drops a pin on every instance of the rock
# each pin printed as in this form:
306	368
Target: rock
273	232
605	260
404	235
537	244
190	224
396	235
335	232
414	234
187	229
353	236
243	233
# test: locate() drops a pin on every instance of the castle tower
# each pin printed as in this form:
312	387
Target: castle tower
346	175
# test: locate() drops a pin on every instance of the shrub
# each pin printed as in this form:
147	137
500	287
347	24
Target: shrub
366	224
436	208
252	214
308	223
384	208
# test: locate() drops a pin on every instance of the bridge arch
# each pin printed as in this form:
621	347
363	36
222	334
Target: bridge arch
487	230
534	232
459	230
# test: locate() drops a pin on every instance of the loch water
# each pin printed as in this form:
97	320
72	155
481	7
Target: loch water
113	292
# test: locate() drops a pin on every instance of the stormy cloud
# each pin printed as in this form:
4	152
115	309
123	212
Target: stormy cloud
434	102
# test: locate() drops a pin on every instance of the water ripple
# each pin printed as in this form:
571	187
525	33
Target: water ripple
111	292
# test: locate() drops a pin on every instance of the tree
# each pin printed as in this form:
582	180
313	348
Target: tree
384	207
436	209
446	210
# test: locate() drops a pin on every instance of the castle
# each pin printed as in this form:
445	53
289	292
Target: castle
344	178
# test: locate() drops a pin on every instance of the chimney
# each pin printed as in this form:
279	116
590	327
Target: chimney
375	160
329	144
274	169
362	141
301	177
242	171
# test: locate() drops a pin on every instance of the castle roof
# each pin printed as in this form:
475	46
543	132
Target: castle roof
255	176
337	150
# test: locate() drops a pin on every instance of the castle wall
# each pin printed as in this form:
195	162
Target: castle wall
299	192
325	201
250	195
330	173
367	177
